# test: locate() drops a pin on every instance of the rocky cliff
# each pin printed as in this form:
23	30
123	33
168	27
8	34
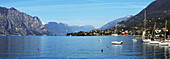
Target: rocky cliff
14	22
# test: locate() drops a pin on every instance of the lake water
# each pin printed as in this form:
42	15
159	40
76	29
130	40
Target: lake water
56	47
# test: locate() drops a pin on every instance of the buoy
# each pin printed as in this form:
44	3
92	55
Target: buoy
100	39
101	50
107	46
37	48
134	40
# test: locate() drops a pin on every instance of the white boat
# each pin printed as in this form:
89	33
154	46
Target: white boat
163	43
154	42
117	42
169	45
146	40
167	40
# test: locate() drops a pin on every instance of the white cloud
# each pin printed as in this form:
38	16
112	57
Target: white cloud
80	6
42	7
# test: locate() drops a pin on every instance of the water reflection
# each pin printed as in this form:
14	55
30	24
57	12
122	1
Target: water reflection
156	51
19	46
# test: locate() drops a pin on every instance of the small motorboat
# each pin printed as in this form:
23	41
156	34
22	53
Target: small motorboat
146	40
163	43
117	42
134	40
154	42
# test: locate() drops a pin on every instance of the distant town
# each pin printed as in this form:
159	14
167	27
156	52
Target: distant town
121	32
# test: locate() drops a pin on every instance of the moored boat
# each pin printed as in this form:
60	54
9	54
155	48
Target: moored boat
166	42
154	42
117	42
163	43
146	40
169	45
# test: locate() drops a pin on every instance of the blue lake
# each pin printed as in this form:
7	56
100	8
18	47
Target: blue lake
56	47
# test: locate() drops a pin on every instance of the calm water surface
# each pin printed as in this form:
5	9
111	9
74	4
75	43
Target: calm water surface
55	47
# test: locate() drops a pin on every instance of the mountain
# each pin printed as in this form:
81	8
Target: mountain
158	11
84	28
14	22
114	22
57	28
62	29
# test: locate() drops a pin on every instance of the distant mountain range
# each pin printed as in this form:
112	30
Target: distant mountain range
114	22
14	22
158	11
61	29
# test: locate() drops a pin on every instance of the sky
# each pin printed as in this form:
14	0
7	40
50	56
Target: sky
78	12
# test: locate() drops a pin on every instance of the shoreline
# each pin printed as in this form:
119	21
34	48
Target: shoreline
73	35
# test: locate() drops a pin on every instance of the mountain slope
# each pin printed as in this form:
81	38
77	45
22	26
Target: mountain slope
114	22
14	22
158	11
61	29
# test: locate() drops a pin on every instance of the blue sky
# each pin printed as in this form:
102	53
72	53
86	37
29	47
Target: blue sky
78	12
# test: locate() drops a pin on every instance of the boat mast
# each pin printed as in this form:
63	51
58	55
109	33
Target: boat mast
144	29
153	31
145	21
116	28
165	28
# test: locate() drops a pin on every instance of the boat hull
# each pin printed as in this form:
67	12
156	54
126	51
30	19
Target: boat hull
153	42
146	41
117	43
163	44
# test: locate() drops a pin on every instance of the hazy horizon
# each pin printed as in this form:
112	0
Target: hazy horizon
76	12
